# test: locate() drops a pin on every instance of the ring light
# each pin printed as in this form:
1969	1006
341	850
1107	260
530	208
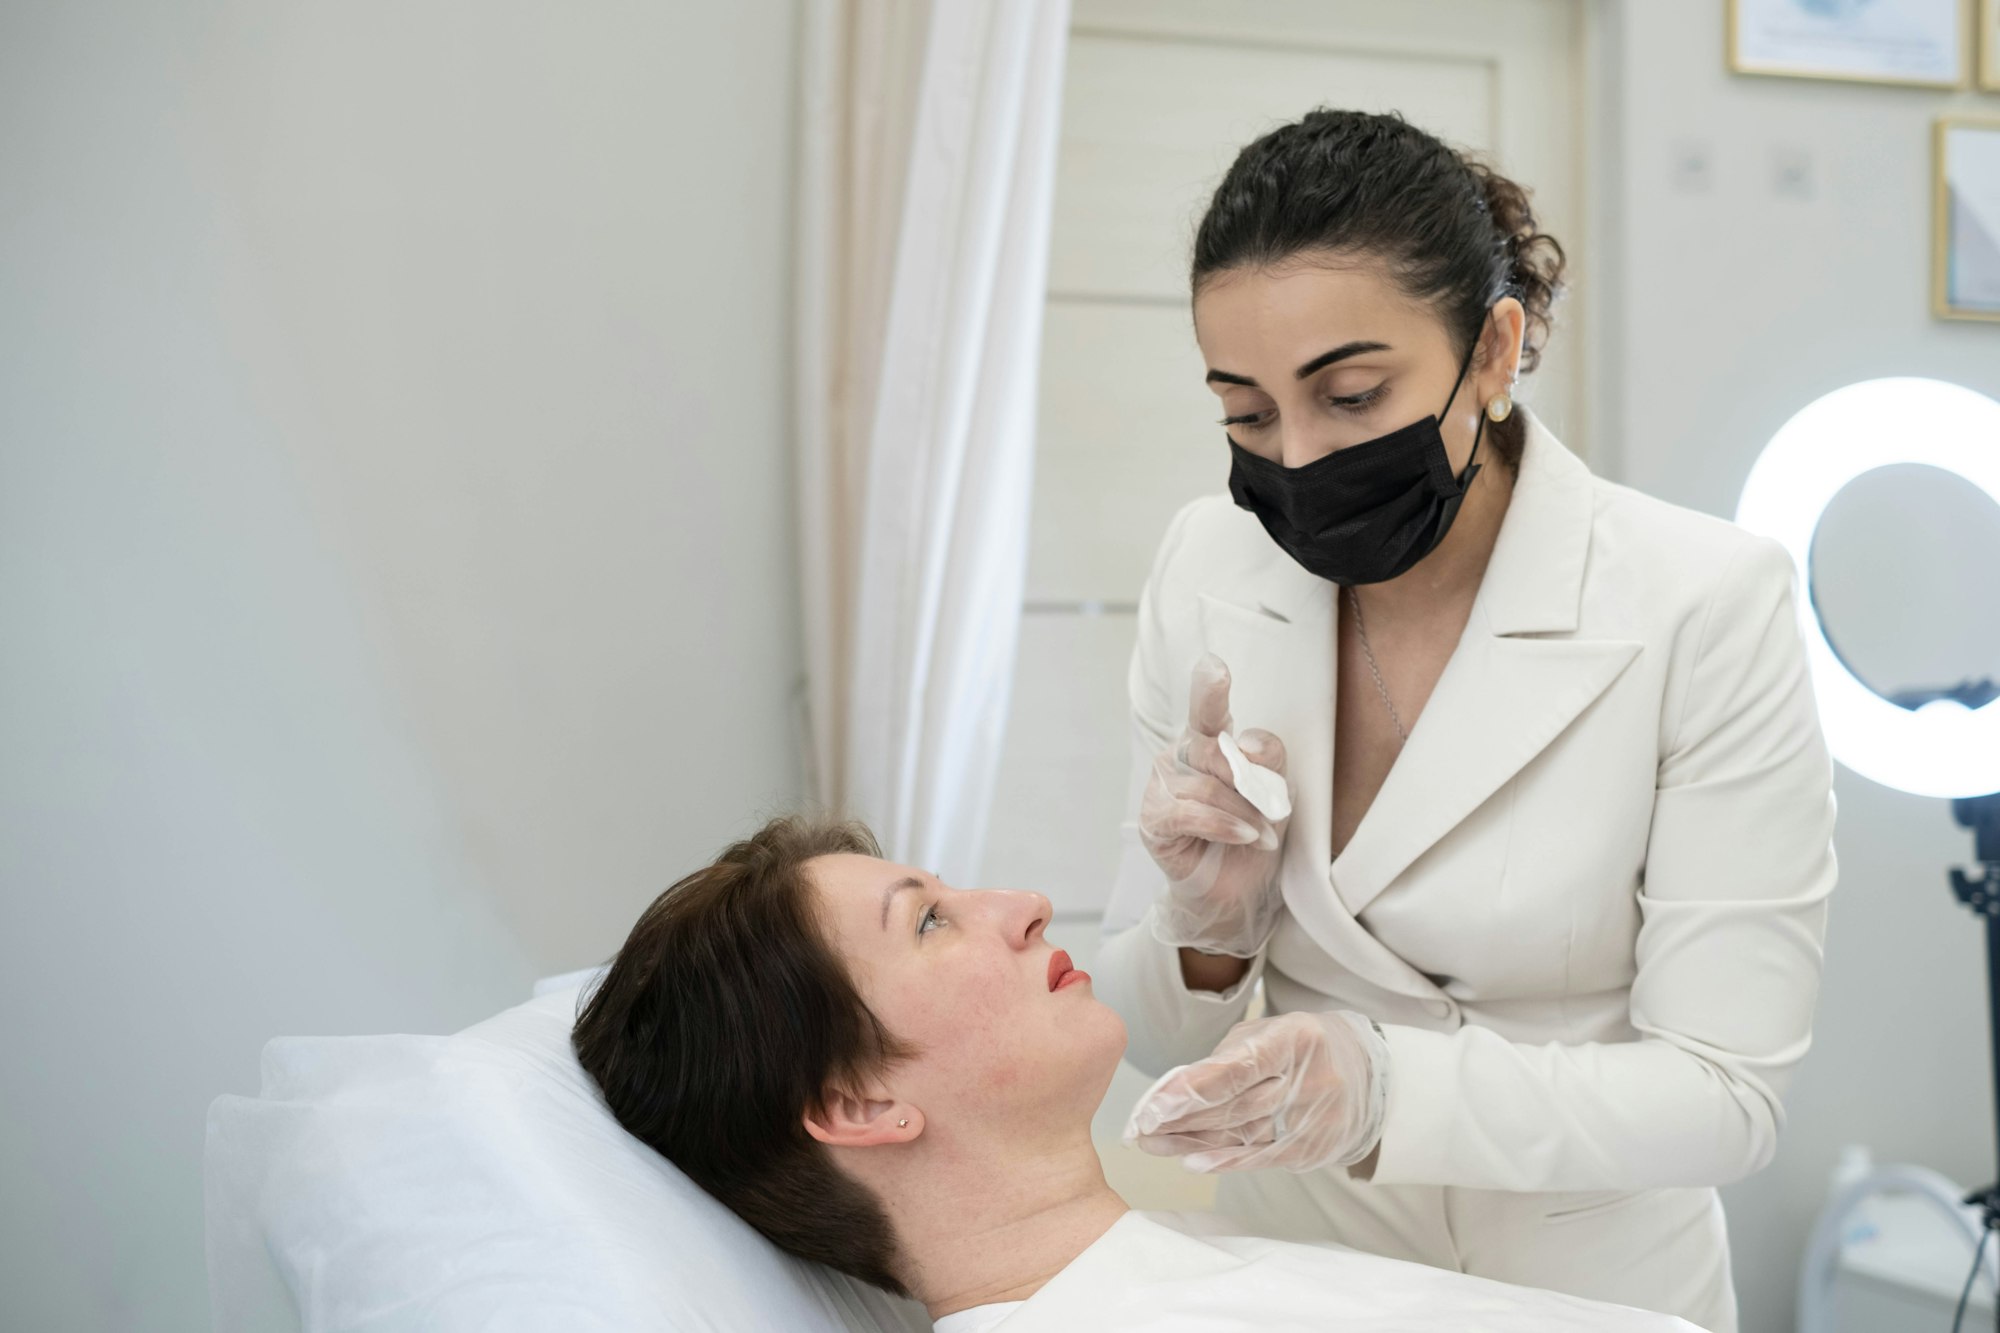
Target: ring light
1943	748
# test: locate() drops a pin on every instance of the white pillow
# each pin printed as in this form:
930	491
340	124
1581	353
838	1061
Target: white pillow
477	1182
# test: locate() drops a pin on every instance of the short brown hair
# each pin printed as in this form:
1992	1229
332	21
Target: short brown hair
721	1022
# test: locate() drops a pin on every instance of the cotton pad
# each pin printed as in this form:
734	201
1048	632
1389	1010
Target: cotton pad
1258	785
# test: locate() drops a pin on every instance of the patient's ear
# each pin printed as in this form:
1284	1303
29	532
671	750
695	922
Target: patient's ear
846	1118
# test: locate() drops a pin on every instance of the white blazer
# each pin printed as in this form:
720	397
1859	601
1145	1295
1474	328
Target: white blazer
1588	904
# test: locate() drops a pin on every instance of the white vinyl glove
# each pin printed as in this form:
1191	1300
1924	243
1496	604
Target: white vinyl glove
1300	1091
1220	854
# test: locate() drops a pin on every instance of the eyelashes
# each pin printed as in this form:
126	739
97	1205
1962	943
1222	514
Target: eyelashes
929	921
1360	402
1355	403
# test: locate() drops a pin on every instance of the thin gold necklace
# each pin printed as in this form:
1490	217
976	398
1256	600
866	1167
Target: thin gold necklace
1361	628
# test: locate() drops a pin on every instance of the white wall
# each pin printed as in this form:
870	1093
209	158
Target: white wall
395	574
1726	310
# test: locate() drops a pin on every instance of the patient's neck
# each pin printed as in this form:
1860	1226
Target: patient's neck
978	1226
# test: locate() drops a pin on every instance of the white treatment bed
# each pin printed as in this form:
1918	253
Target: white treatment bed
476	1182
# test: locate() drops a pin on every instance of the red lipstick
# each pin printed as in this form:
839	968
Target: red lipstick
1062	972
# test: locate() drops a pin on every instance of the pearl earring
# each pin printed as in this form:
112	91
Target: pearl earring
1500	408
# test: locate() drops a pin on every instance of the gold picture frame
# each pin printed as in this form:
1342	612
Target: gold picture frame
1945	301
1963	11
1989	45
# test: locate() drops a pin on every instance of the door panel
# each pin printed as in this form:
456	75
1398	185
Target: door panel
1128	434
1163	118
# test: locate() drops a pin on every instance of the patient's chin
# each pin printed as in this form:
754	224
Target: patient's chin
1121	1039
1101	1044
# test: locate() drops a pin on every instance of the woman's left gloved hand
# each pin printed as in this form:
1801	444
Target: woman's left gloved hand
1300	1091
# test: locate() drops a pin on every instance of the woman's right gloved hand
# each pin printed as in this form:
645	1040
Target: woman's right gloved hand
1219	854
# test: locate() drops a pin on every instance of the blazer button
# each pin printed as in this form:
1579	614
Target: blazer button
1438	1008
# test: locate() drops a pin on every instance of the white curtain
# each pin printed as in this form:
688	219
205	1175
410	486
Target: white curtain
929	142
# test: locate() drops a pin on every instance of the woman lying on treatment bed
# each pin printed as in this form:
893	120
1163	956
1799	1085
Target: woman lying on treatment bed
896	1078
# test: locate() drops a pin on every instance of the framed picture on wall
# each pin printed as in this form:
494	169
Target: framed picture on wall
1965	258
1989	45
1923	43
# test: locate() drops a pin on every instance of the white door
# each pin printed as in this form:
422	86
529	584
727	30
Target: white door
1160	95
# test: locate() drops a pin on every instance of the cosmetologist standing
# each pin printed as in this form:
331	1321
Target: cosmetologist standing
1538	907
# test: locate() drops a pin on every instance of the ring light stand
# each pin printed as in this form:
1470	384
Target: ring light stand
1943	743
1978	887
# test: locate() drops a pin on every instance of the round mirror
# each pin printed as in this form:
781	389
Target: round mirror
1906	577
1943	748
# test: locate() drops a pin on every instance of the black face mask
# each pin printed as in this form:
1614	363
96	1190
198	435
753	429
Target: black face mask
1366	513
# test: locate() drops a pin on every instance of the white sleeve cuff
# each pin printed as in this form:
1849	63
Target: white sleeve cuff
1423	1092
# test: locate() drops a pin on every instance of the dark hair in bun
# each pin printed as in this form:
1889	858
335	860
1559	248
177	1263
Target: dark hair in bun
1455	233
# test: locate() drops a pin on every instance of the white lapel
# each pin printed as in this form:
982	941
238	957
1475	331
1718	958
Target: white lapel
1501	700
1275	628
1505	693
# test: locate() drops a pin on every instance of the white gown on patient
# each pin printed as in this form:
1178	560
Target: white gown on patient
1158	1271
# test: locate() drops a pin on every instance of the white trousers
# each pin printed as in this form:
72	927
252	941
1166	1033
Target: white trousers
1665	1249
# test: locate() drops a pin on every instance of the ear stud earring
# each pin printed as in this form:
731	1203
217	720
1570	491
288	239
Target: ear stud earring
1500	408
902	1124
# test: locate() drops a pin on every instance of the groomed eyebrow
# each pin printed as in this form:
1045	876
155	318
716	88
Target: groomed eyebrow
889	894
1320	362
